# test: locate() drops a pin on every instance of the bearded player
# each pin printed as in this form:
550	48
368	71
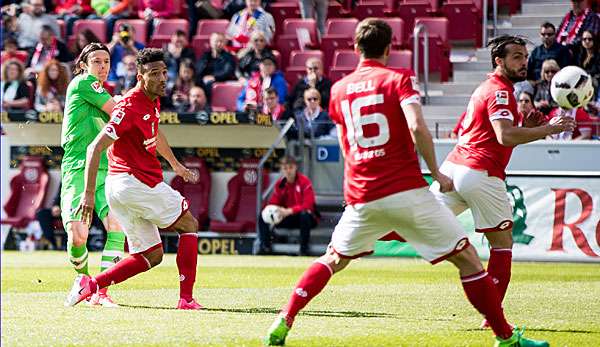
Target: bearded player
489	132
87	109
380	122
135	189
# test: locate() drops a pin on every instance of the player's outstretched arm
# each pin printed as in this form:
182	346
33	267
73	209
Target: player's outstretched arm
163	148
94	151
424	143
509	135
109	105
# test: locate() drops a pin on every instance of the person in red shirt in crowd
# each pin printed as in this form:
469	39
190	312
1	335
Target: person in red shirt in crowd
72	10
380	124
585	124
136	193
477	164
296	200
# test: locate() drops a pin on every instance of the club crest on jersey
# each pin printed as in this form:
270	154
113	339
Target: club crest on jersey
97	87
502	97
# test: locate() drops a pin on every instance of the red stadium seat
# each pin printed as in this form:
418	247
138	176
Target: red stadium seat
365	9
400	59
27	193
286	44
336	10
465	20
391	8
198	193
283	10
344	62
97	26
277	56
339	35
139	25
201	44
408	10
224	95
439	47
165	28
398	32
209	26
292	25
240	207
299	58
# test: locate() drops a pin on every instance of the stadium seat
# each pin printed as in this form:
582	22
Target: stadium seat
398	32
286	44
198	193
400	59
209	26
27	192
278	61
139	25
165	28
391	8
224	95
299	58
282	10
240	207
344	62
464	20
338	35
439	47
336	10
200	44
408	10
291	26
365	9
97	26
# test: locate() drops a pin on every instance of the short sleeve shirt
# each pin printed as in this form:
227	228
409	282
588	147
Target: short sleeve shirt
380	157
83	120
478	147
134	127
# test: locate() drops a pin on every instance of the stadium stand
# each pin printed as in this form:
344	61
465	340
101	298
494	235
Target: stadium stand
224	95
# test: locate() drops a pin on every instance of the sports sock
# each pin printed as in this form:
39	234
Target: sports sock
311	283
126	268
78	256
499	267
187	259
113	249
483	295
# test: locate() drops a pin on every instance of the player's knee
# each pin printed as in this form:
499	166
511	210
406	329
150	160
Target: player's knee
467	260
334	261
154	258
78	240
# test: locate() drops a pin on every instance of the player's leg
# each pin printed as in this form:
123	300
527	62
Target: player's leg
187	259
77	232
437	235
354	236
492	214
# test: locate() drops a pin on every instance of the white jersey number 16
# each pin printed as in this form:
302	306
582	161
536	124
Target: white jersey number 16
355	121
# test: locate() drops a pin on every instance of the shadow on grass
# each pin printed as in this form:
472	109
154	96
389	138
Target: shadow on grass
575	331
268	310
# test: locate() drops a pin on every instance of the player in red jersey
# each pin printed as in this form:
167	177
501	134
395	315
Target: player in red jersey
135	190
380	122
489	132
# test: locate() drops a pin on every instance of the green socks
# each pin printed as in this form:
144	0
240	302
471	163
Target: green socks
78	255
113	249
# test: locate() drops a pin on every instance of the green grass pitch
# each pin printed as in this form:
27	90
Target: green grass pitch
374	302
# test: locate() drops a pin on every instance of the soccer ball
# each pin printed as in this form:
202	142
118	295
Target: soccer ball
571	87
271	215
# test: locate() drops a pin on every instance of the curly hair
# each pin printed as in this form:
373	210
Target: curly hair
148	55
16	63
45	83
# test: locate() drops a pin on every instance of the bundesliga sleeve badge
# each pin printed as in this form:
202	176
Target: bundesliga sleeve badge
502	97
96	86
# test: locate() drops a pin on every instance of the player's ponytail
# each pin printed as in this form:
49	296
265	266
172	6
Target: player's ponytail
83	56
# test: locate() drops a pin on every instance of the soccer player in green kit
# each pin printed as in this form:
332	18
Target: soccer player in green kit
87	110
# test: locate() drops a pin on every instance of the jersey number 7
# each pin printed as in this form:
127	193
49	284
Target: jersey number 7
355	121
